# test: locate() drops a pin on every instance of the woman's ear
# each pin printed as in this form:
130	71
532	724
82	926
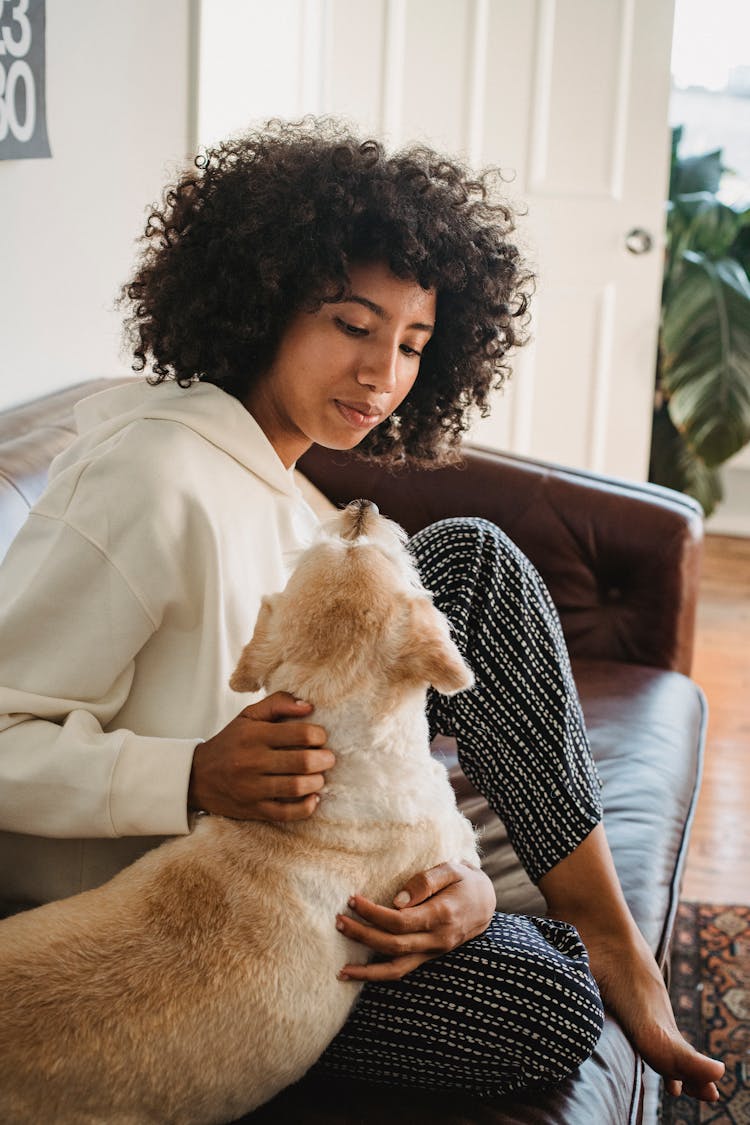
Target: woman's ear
259	656
430	654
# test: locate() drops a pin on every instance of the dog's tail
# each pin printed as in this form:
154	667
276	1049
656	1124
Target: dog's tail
359	513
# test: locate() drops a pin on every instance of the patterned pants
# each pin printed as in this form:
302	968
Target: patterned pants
517	1006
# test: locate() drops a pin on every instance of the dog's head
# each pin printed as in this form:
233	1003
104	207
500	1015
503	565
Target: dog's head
353	617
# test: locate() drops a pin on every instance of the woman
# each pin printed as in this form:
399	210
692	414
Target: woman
300	286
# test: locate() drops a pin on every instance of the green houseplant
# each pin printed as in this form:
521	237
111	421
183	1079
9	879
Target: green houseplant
702	407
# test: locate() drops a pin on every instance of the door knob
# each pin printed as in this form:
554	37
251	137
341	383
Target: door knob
639	241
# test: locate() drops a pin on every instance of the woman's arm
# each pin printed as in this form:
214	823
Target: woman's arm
70	628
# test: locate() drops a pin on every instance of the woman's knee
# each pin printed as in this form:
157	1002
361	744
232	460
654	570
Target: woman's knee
464	562
449	543
513	1009
560	1015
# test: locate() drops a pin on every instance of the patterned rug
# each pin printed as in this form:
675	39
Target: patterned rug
710	990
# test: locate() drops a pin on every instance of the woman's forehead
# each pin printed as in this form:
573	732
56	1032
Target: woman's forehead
376	287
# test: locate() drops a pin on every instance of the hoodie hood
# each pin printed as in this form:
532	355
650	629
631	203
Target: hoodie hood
207	410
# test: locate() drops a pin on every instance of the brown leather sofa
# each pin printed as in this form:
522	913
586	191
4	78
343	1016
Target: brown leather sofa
621	561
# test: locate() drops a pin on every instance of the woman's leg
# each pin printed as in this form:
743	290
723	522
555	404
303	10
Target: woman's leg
520	731
522	743
512	1009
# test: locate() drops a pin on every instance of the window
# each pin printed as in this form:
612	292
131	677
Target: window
711	86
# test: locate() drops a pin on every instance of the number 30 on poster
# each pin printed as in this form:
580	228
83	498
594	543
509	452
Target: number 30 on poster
17	90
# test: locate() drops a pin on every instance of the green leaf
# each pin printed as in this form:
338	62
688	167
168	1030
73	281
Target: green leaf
674	159
677	132
697	173
675	465
740	248
705	356
700	222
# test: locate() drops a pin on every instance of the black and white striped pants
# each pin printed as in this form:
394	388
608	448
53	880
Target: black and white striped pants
517	1006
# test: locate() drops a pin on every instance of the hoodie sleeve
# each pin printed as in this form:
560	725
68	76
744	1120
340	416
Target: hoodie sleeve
65	673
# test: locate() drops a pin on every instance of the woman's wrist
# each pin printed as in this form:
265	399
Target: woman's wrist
194	802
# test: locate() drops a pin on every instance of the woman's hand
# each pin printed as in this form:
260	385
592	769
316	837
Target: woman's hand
437	911
267	764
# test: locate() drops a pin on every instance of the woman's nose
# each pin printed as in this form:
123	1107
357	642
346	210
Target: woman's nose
380	372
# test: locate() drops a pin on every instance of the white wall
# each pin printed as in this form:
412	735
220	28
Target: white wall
119	115
258	61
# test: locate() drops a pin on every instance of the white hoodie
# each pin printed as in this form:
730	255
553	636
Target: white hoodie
125	602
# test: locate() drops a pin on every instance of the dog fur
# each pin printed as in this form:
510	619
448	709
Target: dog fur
202	980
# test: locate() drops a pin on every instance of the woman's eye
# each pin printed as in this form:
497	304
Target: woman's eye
349	329
407	350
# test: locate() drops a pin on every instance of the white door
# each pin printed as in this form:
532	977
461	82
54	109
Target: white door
569	95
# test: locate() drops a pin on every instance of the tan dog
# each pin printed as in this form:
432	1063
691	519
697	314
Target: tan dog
202	979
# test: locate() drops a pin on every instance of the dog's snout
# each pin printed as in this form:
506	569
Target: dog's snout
359	513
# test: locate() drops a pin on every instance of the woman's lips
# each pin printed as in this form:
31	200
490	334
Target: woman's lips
359	415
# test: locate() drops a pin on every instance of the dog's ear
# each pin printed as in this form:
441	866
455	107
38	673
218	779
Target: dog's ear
430	653
259	656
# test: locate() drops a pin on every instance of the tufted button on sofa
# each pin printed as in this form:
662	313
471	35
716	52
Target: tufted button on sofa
621	561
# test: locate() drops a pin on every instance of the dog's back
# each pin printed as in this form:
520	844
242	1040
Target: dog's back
189	988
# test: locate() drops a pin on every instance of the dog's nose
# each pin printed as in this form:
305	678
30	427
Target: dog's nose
360	512
368	507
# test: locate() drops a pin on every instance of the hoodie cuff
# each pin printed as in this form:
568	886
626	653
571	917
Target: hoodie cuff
149	786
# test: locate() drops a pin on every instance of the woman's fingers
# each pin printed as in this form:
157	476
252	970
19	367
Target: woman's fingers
287	736
394	945
430	928
296	761
395	969
454	912
290	786
287	810
259	765
409	920
280	705
427	883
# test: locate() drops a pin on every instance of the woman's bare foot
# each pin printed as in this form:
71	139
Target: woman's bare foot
633	989
584	889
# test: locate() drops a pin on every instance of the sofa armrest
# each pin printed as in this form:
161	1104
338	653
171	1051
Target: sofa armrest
621	560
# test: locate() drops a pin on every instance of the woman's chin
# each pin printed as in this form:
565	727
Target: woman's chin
340	444
342	439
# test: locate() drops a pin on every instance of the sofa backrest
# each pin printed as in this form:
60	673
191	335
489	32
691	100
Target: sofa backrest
31	435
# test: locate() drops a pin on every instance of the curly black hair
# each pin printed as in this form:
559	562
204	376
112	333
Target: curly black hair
266	224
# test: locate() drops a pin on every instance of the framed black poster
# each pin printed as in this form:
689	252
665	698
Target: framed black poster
23	104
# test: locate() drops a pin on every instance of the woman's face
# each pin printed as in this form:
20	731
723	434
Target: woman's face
340	371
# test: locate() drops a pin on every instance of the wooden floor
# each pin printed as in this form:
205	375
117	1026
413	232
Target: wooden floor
718	866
